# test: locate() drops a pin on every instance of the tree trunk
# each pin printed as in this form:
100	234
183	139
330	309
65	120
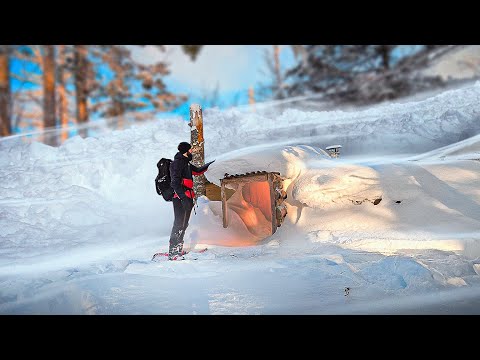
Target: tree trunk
49	112
385	54
278	74
118	105
81	69
251	98
198	150
62	92
5	97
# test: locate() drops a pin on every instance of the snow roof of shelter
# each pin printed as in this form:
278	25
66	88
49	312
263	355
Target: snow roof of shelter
333	147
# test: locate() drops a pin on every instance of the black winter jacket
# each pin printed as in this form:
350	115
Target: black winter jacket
181	173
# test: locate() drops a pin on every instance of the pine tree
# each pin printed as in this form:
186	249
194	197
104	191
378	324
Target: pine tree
106	81
276	88
62	78
27	99
192	50
133	86
81	72
362	74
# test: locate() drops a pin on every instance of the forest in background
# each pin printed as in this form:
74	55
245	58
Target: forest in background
66	86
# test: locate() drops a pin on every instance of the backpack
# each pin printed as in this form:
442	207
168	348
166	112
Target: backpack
162	181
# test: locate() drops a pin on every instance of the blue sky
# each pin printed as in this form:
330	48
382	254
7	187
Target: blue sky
234	68
18	67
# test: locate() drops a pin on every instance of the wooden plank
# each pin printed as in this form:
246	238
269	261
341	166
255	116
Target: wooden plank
213	192
247	178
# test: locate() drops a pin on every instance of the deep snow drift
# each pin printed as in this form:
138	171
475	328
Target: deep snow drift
392	226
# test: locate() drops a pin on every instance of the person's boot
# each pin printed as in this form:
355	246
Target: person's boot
181	252
176	253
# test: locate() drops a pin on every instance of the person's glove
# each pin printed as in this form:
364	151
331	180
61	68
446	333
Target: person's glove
208	164
187	204
205	167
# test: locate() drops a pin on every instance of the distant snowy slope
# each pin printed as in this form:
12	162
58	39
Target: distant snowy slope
363	234
99	186
407	128
468	149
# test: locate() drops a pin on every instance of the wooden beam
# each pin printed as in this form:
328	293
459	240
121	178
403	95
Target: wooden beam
272	202
246	178
224	204
213	192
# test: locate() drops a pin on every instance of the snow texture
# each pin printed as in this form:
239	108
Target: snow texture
395	219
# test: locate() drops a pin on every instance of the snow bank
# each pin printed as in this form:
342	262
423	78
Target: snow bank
392	128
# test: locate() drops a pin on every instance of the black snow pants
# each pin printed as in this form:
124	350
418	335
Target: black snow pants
180	224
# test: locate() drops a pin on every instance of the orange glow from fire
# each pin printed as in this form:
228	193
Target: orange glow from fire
250	205
258	195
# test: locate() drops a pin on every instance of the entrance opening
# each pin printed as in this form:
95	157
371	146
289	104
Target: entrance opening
257	200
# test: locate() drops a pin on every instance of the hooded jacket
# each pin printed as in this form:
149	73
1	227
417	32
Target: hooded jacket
181	173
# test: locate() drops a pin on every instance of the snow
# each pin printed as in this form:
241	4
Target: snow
331	147
395	219
195	107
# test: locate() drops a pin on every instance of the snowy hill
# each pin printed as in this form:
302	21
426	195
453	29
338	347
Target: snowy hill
79	223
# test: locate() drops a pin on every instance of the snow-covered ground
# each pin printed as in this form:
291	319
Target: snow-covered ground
79	223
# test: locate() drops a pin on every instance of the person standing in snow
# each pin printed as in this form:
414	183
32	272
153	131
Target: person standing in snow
181	173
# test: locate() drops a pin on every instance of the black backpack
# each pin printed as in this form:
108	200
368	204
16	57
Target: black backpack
162	181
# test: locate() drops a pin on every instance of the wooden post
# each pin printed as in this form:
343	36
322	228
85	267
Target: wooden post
198	151
273	202
224	203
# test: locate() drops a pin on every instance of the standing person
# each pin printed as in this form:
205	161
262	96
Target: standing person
181	171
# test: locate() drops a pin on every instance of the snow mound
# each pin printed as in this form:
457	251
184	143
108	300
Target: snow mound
342	184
